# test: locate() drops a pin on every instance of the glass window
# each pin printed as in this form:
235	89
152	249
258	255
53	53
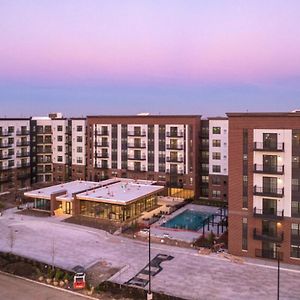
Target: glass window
59	148
216	168
59	138
79	128
216	155
79	139
216	130
245	234
216	143
59	158
59	128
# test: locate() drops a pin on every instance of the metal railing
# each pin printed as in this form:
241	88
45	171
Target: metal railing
174	147
266	253
268	213
178	134
269	169
268	191
175	159
267	236
260	146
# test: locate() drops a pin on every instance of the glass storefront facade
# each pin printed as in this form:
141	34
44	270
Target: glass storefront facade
42	204
117	212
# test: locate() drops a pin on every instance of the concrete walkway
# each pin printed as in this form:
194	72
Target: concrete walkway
189	275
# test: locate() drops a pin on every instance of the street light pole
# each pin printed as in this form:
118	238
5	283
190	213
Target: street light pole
149	295
278	269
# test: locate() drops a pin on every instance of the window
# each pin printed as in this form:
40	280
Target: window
216	169
216	143
204	179
59	158
79	139
79	128
11	129
59	138
216	194
216	130
59	128
216	155
245	234
59	148
79	149
295	238
79	160
216	180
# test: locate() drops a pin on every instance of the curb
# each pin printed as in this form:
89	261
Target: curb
49	286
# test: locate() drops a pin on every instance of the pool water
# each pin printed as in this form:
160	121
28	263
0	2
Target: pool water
188	220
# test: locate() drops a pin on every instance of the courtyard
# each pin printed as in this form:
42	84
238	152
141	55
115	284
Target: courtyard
188	275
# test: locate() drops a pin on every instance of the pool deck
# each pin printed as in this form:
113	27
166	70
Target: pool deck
180	234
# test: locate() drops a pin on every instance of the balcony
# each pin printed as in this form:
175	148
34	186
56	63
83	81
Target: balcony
48	151
177	134
6	145
268	192
268	214
6	179
136	169
23	165
136	157
267	236
44	131
5	133
174	172
266	253
102	155
102	144
23	143
22	132
268	169
23	154
137	133
5	156
3	168
269	147
102	132
102	166
174	147
295	240
46	171
136	145
175	159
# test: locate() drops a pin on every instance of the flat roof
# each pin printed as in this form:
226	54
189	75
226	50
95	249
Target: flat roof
69	187
123	192
263	114
115	191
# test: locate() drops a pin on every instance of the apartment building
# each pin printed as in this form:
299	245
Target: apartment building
218	159
159	148
15	155
264	185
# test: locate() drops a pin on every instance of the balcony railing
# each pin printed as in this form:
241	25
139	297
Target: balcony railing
266	253
44	131
175	134
268	214
267	236
23	143
3	168
174	147
5	133
269	169
23	154
136	145
5	156
175	159
137	133
102	132
102	144
102	166
174	171
6	145
136	157
44	151
23	165
23	132
24	176
102	155
136	169
269	192
272	147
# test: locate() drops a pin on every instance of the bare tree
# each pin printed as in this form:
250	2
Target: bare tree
53	252
11	239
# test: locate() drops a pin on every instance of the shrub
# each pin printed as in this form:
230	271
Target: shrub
58	275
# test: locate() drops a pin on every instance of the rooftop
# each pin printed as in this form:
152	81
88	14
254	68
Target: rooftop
116	190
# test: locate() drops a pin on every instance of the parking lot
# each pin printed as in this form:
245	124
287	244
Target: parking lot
189	275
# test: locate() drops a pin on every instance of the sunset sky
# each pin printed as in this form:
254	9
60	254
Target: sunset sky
159	56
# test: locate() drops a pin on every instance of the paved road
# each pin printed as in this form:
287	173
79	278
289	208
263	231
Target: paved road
18	289
188	275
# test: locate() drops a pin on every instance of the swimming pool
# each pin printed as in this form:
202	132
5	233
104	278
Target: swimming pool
188	220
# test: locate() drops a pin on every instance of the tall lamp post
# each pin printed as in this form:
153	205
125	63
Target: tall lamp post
149	295
278	268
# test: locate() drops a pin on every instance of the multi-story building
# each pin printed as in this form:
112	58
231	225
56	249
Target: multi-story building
218	159
15	153
159	148
264	185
